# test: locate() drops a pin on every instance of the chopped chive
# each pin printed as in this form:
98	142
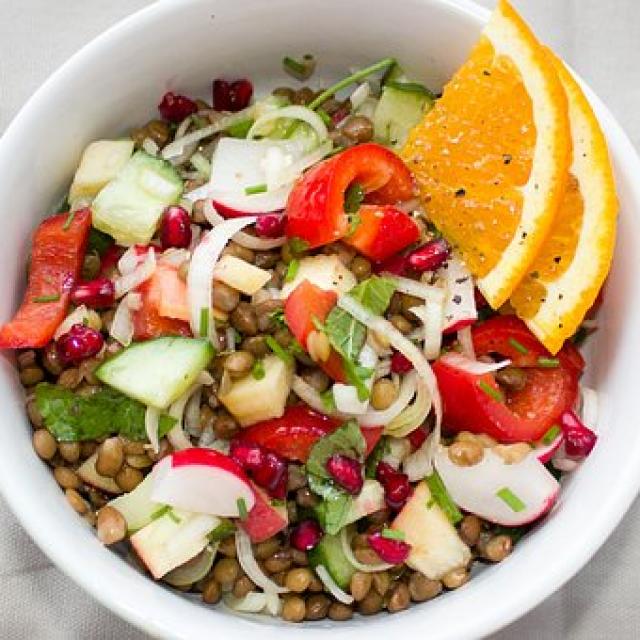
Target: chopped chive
158	513
551	435
278	503
490	391
278	350
352	79
353	198
392	534
240	129
326	118
257	371
440	494
548	363
511	499
297	245
222	531
292	65
410	87
69	220
242	508
204	322
254	189
54	297
328	401
292	270
301	70
173	516
518	346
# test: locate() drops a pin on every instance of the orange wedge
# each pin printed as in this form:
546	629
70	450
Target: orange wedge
491	158
565	278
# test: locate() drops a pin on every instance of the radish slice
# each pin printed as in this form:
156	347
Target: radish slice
460	303
331	585
250	566
259	203
151	420
135	278
407	391
508	494
474	367
200	277
545	452
202	481
293	112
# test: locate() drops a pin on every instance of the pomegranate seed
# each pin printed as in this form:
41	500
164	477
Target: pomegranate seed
389	549
175	107
430	256
78	343
400	363
383	471
95	294
579	439
417	437
306	535
346	471
270	226
397	265
175	230
397	488
267	469
231	96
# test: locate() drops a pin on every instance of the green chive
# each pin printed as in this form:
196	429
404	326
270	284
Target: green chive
292	270
326	118
160	512
490	391
551	435
298	246
69	220
353	198
392	534
225	529
204	322
440	494
257	370
511	500
352	79
242	508
240	129
328	401
299	70
254	189
548	363
518	346
411	87
54	297
278	503
173	516
292	65
278	350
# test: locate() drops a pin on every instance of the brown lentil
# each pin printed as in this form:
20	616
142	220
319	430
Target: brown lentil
264	314
317	607
284	92
299	558
470	529
512	378
267	259
44	444
239	363
31	376
70	378
133	447
225	426
110	457
211	591
96	498
111	525
465	454
226	572
371	603
366	556
34	414
303	96
399	598
77	502
409	302
87	449
158	131
128	478
497	548
279	561
401	324
51	360
227	547
67	478
225	298
381	582
234	249
421	588
256	346
70	451
316	585
361	268
139	462
243	318
296	479
266	548
480	438
316	378
339	611
298	580
90	266
512	453
358	128
455	578
293	609
383	394
242	586
198	212
26	359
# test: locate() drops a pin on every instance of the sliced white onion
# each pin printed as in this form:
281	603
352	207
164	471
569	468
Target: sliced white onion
78	316
174	257
122	328
589	408
250	566
129	260
308	395
177	437
375	418
384	328
432	316
151	420
273	604
253	602
353	561
474	367
416	288
331	585
466	343
140	274
203	262
200	193
420	463
230	339
460	303
292	112
192	413
414	415
359	95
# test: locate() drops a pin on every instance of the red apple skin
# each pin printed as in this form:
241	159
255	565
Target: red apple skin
264	520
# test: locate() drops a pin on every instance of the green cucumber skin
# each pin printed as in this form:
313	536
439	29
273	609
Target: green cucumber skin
157	372
328	552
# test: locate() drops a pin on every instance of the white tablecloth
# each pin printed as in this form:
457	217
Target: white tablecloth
600	39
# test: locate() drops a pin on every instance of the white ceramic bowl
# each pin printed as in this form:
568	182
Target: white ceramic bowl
113	84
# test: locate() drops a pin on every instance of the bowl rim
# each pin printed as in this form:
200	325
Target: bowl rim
152	618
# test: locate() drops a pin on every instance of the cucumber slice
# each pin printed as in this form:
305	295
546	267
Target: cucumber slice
130	206
159	371
400	108
328	552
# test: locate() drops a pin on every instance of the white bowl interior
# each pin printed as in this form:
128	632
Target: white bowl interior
113	85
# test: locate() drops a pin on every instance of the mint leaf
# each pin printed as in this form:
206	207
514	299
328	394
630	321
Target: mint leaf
333	512
347	440
379	451
70	417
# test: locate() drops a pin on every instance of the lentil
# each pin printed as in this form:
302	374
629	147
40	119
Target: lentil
224	297
465	454
110	457
371	603
128	478
266	549
298	580
383	394
76	501
243	318
70	451
242	586
361	268
399	598
111	525
455	578
293	609
421	588
211	591
226	572
239	363
470	529
358	128
497	548
317	607
339	611
67	478
44	444
401	324
31	376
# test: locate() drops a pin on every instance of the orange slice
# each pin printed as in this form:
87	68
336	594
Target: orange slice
565	278
491	158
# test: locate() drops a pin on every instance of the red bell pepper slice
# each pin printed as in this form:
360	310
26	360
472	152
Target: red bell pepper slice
472	402
315	209
57	253
382	232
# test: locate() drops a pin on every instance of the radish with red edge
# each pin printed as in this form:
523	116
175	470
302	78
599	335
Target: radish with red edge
460	304
266	518
508	494
550	443
203	481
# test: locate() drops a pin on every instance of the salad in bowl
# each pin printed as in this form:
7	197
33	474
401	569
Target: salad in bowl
316	352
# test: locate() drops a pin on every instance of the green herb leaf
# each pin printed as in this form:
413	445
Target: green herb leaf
242	508
278	318
353	198
240	129
440	494
225	529
490	391
257	370
518	346
333	511
328	401
74	418
511	499
347	440
278	350
392	534
292	270
297	246
254	189
551	435
379	451
326	118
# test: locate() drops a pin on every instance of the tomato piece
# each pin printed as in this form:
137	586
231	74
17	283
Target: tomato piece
382	232
57	253
315	209
148	323
306	302
471	402
168	293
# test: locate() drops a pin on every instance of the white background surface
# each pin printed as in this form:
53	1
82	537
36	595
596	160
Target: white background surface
600	39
